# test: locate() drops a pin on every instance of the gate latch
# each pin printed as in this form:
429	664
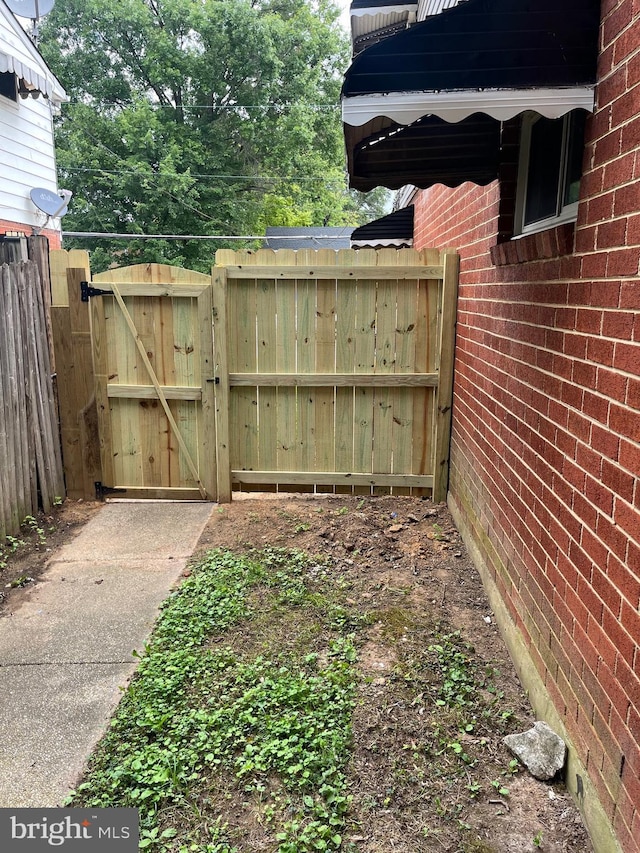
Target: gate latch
87	290
102	491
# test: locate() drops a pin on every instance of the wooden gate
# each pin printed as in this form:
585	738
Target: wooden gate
152	348
327	371
334	370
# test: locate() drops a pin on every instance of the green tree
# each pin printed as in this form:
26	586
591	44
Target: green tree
199	117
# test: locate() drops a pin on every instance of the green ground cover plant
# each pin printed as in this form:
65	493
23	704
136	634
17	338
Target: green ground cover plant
276	724
353	702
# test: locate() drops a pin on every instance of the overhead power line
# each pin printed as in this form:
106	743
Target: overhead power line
229	107
258	178
116	236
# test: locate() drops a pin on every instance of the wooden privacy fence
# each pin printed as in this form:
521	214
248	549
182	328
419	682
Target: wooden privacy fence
283	370
30	460
334	370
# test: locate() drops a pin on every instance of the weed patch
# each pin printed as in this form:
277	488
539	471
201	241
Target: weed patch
275	725
32	532
353	701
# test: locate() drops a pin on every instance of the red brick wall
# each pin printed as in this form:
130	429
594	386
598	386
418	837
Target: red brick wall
54	237
546	436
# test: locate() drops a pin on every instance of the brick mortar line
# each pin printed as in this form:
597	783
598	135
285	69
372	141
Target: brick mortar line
579	443
568	509
526	551
494	300
603	193
548	373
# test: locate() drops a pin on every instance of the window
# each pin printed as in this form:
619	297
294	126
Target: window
9	85
549	171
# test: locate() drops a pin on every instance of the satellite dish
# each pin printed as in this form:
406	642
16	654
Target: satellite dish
50	202
33	9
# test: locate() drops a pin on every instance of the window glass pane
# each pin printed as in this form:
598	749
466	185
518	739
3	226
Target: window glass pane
575	152
8	85
543	176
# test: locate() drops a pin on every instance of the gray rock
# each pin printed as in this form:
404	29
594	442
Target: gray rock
540	749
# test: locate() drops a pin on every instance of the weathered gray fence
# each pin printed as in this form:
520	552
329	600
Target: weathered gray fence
13	249
31	472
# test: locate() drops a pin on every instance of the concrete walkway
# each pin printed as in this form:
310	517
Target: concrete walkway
65	652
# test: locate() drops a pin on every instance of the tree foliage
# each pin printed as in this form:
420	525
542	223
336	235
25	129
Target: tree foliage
199	117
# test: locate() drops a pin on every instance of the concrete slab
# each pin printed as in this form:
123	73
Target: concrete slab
88	612
133	529
65	651
51	716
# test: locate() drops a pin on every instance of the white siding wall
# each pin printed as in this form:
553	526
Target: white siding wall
27	157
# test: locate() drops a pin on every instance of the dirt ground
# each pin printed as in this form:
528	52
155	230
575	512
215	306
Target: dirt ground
24	557
420	780
402	560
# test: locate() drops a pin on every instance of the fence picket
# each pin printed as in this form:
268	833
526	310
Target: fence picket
266	355
34	390
8	521
30	452
305	361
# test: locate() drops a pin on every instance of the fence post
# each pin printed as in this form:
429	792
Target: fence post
221	372
78	412
60	261
451	263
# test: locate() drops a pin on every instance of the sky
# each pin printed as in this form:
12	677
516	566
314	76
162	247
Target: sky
344	5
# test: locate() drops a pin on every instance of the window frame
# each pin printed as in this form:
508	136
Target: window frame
564	212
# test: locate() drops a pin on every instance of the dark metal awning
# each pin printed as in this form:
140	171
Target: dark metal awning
394	229
430	151
33	72
497	58
374	20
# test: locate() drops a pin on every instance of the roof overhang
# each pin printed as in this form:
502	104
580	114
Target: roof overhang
395	230
498	58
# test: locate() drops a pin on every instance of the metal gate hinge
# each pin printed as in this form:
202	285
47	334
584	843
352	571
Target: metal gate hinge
102	491
87	290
